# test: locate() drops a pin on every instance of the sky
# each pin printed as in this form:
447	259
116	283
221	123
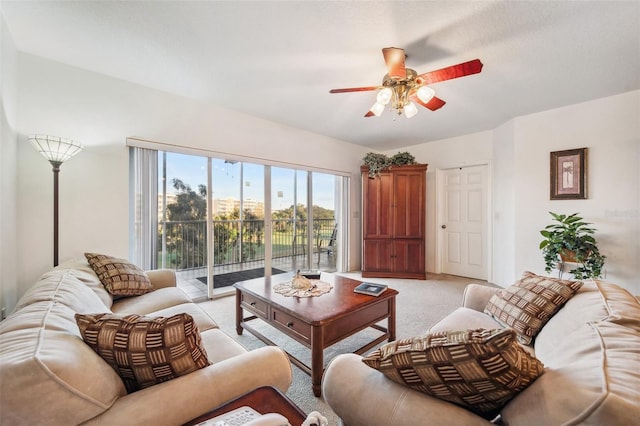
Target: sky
192	170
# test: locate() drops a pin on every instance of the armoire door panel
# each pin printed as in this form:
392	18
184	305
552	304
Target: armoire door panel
377	204
409	256
378	255
409	205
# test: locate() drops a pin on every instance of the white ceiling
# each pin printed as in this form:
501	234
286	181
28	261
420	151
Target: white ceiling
278	60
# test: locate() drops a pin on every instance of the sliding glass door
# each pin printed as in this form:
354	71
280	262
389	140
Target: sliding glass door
223	221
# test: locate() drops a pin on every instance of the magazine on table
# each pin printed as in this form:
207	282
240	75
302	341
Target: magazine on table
371	289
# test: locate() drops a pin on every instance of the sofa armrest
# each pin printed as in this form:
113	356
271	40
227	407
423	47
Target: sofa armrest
476	296
161	278
179	400
361	395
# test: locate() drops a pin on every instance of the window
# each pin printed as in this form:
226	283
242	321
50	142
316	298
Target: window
214	217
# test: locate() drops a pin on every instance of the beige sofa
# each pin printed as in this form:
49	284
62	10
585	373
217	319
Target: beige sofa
48	375
590	349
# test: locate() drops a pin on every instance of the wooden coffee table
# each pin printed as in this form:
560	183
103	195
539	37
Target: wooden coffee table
264	400
316	322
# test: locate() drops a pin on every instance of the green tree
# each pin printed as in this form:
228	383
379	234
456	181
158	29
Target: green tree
252	228
186	236
189	205
225	235
322	213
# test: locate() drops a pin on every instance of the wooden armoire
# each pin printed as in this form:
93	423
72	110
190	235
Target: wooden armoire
393	218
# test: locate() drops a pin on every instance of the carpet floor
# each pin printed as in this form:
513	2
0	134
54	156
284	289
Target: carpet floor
419	305
230	278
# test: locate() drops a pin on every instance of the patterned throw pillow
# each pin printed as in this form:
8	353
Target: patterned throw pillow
145	351
118	276
527	305
480	370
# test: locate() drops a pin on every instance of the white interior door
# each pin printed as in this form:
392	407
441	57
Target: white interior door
464	222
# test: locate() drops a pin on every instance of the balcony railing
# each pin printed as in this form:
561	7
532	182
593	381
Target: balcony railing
183	244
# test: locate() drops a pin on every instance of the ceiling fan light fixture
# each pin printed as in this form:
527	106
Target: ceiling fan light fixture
410	110
377	109
425	93
401	85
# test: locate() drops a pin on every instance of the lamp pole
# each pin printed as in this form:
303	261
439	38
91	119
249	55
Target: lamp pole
56	171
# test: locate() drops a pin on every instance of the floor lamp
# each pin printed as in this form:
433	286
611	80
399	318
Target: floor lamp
57	151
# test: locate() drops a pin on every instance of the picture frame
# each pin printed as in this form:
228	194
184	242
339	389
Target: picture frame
569	174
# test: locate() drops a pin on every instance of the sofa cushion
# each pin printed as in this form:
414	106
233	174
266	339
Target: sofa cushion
464	319
480	369
47	374
527	305
81	269
202	319
145	351
64	287
119	276
220	346
149	303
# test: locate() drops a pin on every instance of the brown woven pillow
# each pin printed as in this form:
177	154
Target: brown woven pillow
118	276
480	370
145	351
527	305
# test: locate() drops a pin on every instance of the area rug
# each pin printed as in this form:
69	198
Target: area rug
230	278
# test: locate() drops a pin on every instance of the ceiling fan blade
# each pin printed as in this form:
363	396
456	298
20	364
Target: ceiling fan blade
394	58
354	89
448	73
433	104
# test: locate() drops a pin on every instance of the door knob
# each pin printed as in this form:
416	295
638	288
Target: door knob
443	226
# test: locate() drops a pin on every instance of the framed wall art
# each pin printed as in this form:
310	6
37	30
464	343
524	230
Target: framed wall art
569	174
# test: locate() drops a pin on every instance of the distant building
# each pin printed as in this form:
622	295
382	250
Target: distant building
221	206
225	206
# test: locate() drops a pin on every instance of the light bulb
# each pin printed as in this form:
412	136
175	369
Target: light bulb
410	110
377	109
384	96
425	93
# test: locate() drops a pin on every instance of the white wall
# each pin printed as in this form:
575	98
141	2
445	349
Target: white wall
610	129
8	171
504	204
102	112
518	153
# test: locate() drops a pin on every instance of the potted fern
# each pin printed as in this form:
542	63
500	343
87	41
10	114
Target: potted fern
379	162
571	239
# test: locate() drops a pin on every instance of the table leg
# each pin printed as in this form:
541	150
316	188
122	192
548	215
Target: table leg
392	319
317	359
239	312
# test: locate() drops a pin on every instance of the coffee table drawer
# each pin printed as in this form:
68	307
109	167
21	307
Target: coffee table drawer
254	305
296	326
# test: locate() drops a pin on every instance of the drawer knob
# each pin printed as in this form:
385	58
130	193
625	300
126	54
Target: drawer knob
252	303
290	324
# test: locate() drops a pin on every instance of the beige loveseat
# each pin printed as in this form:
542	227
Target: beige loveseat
590	349
49	376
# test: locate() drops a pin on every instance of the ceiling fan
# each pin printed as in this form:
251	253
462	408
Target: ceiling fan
403	86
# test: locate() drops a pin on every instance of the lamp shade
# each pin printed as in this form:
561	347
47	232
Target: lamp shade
55	149
377	109
425	93
410	110
384	96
